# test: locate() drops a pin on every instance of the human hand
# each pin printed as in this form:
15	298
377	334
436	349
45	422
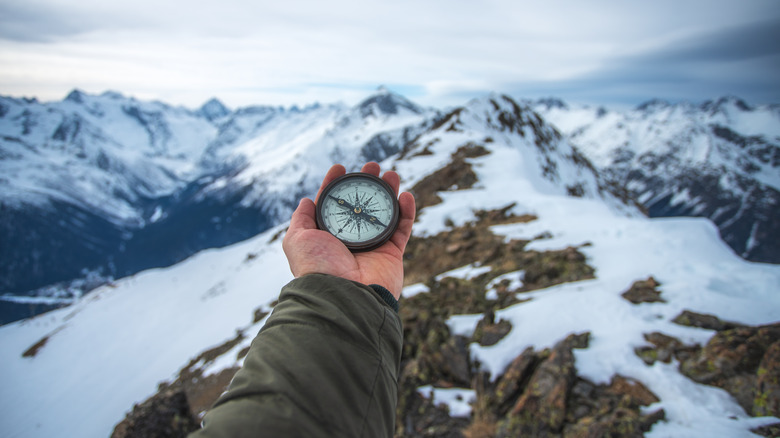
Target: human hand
313	251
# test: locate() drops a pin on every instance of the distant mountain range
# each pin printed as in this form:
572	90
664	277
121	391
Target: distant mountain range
100	187
719	160
97	187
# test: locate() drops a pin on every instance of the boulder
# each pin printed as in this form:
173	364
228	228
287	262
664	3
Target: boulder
766	401
702	320
166	415
744	362
644	291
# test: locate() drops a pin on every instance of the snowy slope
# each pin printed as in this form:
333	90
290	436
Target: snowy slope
720	160
112	348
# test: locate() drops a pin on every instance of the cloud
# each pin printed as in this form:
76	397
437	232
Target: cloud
443	52
27	23
742	60
748	41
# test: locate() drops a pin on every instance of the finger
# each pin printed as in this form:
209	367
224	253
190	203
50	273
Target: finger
372	168
404	232
334	172
393	179
303	217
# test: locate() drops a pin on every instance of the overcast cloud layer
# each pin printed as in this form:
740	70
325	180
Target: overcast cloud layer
435	52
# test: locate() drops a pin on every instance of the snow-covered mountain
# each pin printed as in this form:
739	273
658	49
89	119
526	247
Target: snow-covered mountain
719	160
525	271
99	187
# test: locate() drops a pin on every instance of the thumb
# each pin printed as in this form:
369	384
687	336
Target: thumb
303	217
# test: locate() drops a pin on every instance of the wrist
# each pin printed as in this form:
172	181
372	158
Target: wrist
386	296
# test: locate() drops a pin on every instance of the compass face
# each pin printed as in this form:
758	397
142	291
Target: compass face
360	209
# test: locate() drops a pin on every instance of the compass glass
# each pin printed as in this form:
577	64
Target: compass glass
360	209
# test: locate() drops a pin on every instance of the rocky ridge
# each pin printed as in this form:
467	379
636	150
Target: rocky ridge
541	392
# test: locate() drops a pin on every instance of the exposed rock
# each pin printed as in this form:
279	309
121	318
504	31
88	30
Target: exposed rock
540	395
767	393
515	379
701	320
472	242
634	392
488	332
554	267
426	257
501	216
644	291
424	419
416	415
166	415
452	363
191	394
541	409
610	410
665	348
770	431
744	362
36	347
259	314
457	175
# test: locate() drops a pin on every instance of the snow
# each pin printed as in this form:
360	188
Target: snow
466	272
112	149
36	300
463	325
457	400
752	241
762	121
514	279
681	134
120	341
410	291
156	215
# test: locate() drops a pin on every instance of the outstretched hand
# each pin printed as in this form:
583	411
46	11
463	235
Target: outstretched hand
310	250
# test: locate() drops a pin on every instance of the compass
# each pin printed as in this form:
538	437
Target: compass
360	209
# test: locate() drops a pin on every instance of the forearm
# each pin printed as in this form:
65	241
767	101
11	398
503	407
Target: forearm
325	364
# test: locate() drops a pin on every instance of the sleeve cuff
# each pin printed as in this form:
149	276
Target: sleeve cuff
386	296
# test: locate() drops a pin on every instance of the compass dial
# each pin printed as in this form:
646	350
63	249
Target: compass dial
360	209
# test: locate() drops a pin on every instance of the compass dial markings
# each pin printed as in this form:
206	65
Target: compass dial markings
359	210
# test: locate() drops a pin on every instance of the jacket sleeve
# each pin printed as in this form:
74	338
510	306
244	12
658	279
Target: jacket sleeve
325	364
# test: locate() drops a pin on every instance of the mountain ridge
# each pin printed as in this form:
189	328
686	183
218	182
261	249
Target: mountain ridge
719	159
129	171
123	173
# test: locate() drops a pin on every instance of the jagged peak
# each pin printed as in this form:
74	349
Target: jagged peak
382	90
110	94
386	102
76	96
552	102
653	104
513	115
213	109
721	103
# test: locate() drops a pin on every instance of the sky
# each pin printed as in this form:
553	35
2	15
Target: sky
435	52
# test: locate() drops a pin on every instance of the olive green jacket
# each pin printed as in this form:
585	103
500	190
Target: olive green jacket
325	364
